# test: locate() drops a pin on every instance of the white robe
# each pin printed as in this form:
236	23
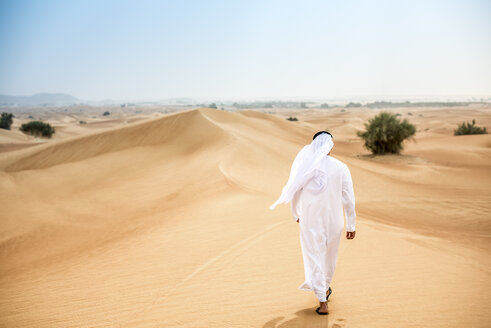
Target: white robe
319	205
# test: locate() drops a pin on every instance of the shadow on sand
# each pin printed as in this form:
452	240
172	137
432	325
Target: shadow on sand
305	318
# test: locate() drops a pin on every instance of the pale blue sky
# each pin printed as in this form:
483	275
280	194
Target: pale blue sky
135	50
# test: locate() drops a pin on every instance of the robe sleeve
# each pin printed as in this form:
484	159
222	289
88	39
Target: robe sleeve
294	202
348	200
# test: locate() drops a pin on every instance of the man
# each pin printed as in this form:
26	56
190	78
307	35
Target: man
319	188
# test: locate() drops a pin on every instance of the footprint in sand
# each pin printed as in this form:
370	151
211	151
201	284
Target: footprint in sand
338	323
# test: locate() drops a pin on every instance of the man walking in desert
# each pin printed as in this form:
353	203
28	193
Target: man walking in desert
319	188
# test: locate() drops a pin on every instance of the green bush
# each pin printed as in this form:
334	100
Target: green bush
292	119
469	128
385	133
37	128
6	121
212	105
106	113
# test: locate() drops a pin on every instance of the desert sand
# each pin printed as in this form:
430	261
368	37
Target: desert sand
163	221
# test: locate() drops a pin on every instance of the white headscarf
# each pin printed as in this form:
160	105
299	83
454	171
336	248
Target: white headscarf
304	166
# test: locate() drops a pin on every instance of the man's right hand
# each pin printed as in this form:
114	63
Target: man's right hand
350	235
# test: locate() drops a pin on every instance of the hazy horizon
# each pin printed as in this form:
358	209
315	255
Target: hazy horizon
154	50
334	101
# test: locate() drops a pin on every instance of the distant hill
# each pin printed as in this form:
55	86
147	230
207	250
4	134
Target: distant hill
39	99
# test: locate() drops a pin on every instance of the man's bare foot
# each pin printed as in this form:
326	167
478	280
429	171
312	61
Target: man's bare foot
322	308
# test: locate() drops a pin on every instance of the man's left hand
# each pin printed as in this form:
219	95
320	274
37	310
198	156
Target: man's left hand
350	235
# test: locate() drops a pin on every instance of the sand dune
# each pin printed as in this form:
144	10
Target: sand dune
164	222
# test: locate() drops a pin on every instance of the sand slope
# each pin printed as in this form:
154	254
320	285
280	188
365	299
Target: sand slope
165	223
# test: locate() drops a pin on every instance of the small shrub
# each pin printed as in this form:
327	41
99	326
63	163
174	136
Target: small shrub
292	119
212	105
469	128
106	113
37	128
410	114
82	122
6	121
343	110
385	133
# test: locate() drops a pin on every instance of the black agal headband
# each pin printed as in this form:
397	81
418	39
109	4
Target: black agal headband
321	132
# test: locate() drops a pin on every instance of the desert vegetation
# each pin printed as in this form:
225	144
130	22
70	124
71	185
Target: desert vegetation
6	120
292	118
38	128
385	133
469	128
